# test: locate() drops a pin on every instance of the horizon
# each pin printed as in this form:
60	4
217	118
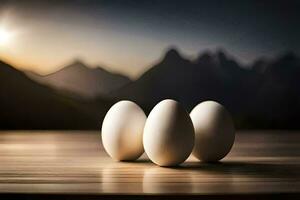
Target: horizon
152	64
127	37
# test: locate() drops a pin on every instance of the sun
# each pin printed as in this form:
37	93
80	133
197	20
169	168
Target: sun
5	36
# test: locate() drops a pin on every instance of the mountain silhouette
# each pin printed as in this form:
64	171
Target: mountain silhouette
265	94
210	76
78	79
24	104
278	96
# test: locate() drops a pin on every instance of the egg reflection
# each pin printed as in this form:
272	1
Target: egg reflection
121	178
159	180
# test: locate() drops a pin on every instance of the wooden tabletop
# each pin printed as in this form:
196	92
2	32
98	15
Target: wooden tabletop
71	164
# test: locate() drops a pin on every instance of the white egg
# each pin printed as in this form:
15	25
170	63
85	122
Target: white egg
214	131
122	131
168	134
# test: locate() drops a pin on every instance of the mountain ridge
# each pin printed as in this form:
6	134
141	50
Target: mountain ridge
217	76
81	80
25	104
263	95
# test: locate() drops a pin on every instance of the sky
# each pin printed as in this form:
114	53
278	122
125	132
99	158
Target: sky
129	36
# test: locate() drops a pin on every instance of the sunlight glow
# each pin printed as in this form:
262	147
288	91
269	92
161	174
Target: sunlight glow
5	36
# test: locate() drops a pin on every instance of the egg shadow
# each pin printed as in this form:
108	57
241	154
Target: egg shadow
244	168
263	169
142	160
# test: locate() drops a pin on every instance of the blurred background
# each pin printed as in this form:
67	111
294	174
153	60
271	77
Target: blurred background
64	63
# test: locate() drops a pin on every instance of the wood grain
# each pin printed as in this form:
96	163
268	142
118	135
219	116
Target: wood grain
74	163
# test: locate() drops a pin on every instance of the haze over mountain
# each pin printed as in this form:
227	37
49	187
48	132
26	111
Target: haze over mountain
210	76
263	95
25	104
81	80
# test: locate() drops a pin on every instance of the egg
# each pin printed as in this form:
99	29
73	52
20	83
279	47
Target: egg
122	131
168	134
214	131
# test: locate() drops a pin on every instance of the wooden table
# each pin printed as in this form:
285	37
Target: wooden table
73	165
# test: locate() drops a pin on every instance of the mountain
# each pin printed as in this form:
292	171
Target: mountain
264	95
210	76
24	104
278	96
77	79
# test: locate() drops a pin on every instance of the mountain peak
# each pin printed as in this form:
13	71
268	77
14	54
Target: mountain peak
205	58
208	57
172	54
221	54
78	63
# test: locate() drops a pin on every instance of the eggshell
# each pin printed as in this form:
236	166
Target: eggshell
122	131
168	134
214	131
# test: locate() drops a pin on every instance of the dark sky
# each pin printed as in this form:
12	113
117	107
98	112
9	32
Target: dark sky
129	35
